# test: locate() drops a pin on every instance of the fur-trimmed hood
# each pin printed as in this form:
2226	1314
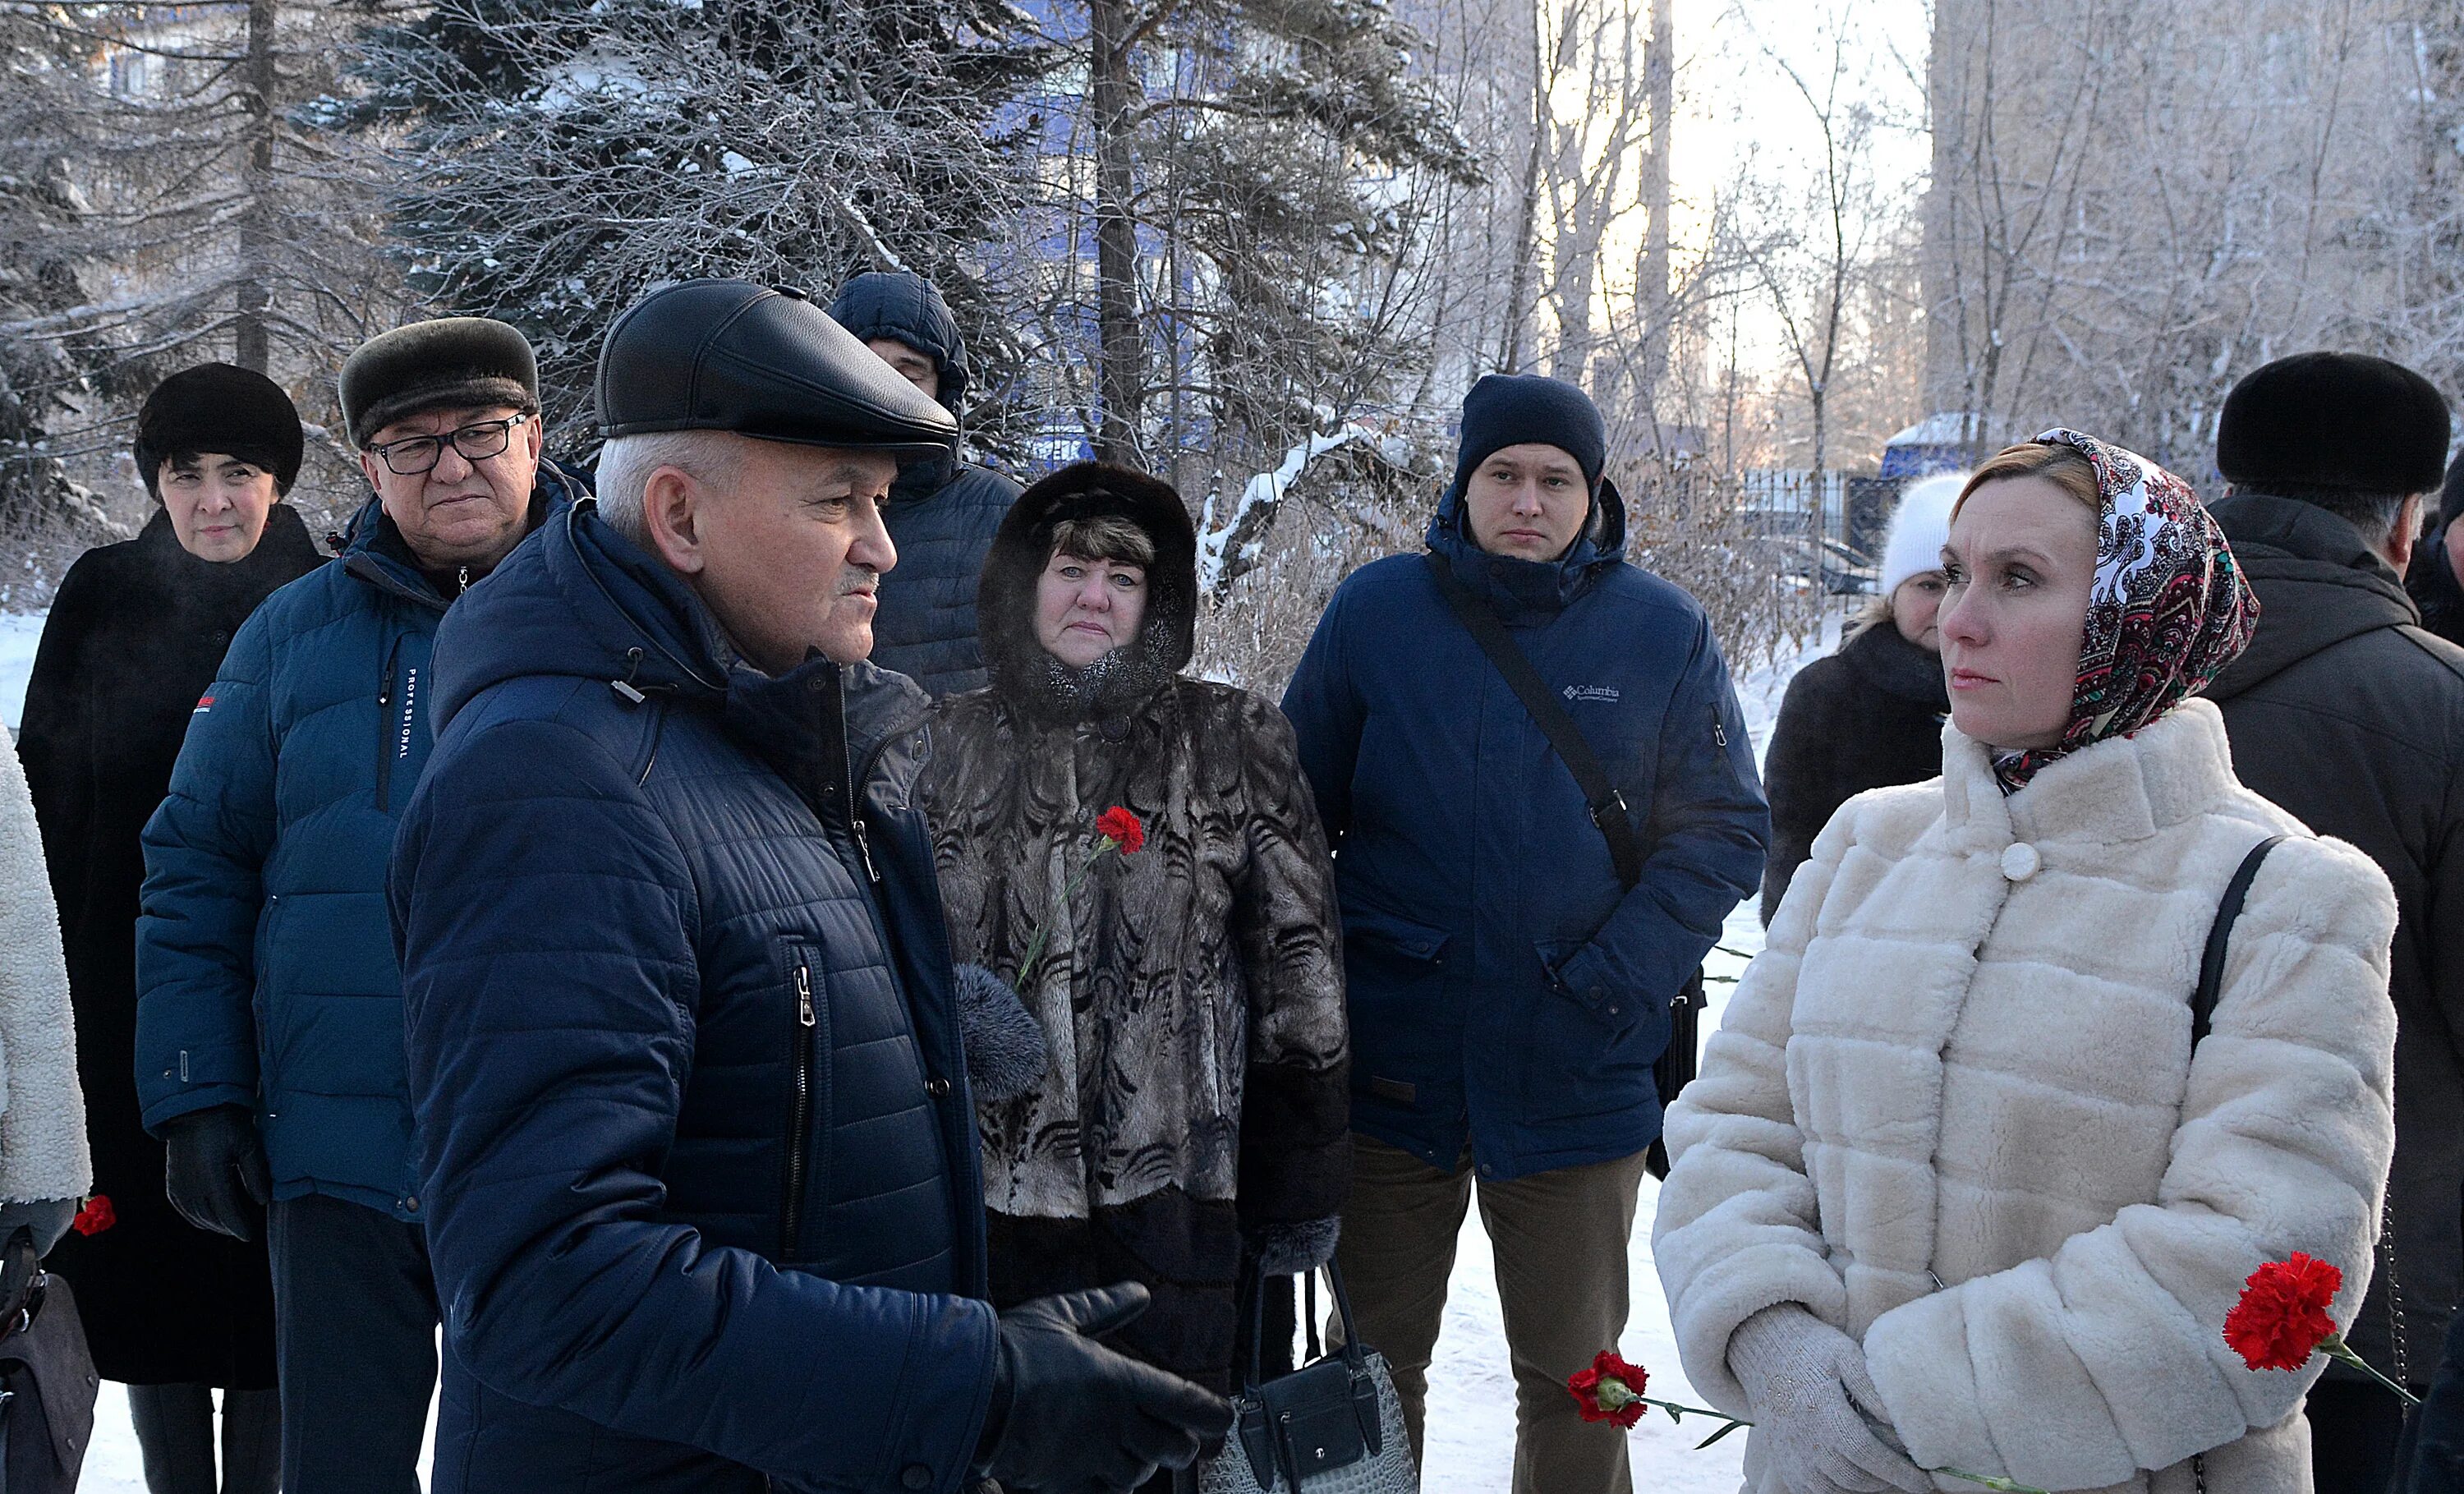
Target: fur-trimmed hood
1021	671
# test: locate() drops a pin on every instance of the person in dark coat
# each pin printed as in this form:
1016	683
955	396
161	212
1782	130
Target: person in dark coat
269	1010
134	637
695	1134
943	511
2351	715
1510	991
2437	559
2433	1463
1870	715
1192	1127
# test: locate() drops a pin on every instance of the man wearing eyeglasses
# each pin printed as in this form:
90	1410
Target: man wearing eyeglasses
269	1024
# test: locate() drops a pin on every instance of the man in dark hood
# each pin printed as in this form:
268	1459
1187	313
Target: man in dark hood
2346	713
943	511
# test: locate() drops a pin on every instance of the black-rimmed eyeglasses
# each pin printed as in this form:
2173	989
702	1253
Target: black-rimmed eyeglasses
413	455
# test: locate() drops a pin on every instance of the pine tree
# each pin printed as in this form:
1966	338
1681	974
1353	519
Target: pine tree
560	157
1248	175
161	205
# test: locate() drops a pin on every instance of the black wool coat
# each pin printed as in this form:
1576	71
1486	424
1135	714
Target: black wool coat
1869	715
135	634
2350	716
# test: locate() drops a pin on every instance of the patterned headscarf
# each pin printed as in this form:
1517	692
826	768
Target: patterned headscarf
2168	610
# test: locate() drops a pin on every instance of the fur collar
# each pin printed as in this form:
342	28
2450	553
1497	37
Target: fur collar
1028	677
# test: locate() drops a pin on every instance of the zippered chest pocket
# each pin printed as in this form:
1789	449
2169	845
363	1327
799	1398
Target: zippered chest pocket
806	1036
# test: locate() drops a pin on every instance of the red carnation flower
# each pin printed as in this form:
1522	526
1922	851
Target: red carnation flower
1122	828
96	1217
2282	1319
1609	1391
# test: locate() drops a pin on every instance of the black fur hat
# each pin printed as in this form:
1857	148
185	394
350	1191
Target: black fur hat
218	407
1006	597
2333	419
464	361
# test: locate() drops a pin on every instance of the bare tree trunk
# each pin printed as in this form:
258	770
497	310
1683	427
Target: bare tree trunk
1123	379
1518	293
256	222
1660	85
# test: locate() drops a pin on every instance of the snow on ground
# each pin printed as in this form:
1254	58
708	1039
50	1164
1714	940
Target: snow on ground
1471	1386
18	631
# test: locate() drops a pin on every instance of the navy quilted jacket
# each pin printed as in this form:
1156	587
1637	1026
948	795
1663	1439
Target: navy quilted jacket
694	1130
1506	988
265	963
926	627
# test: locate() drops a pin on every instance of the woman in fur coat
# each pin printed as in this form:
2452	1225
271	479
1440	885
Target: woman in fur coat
1956	1188
1870	715
1188	1115
135	636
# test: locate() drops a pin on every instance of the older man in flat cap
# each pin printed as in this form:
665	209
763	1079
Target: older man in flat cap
268	1023
694	1127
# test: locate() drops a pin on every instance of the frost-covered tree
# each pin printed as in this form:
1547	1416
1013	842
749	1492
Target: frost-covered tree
557	157
1239	223
161	204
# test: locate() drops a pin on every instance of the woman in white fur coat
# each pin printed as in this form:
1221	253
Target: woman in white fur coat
45	1167
1954	1190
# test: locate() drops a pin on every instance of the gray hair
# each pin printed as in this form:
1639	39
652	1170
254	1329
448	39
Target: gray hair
626	464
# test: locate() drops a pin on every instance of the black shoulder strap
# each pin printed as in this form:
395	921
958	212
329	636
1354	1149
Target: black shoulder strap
1607	805
2212	963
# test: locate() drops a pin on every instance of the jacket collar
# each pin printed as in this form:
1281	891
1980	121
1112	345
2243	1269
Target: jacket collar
376	553
1890	663
1532	591
920	479
2317	585
579	600
2125	788
284	550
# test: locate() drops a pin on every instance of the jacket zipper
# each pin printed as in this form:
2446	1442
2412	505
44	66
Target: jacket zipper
863	845
806	1020
1719	732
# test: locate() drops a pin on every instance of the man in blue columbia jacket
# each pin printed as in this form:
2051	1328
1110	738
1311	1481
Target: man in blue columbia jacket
269	1019
943	510
1509	993
694	1130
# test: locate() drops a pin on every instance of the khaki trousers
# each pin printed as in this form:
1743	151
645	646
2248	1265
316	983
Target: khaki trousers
1560	1239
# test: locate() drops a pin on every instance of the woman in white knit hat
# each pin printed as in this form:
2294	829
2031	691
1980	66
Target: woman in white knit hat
1869	715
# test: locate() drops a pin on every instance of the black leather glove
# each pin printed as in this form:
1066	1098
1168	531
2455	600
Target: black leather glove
215	1169
1072	1414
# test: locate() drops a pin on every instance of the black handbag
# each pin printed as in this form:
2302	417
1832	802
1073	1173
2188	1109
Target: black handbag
1333	1426
1610	815
48	1383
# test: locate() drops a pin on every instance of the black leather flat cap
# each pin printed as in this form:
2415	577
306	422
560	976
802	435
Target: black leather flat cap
728	355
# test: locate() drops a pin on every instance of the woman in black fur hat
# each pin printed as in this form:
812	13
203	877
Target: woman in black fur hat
1190	1111
135	633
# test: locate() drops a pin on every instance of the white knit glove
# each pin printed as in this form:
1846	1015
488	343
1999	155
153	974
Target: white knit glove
1806	1383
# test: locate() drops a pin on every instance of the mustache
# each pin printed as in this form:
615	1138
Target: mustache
859	578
